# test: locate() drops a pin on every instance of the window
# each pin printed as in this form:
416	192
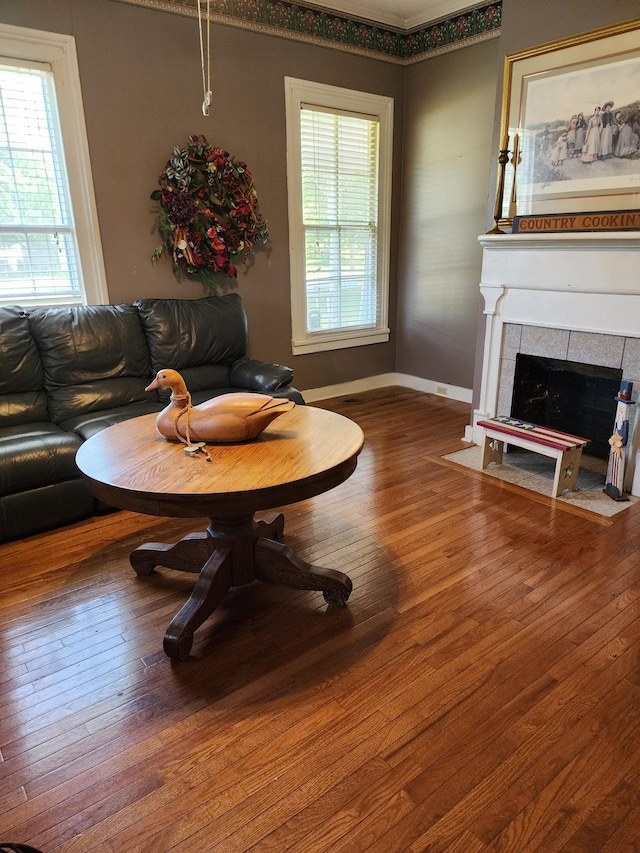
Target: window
339	145
49	241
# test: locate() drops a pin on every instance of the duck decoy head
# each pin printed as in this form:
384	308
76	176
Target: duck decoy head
167	378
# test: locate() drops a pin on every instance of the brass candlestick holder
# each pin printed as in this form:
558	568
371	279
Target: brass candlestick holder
503	159
515	160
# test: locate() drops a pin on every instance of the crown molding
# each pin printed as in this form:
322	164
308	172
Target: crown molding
309	23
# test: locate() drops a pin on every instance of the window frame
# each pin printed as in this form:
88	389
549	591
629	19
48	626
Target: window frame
59	52
297	93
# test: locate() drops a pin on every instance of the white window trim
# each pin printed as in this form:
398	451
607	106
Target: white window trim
60	52
298	92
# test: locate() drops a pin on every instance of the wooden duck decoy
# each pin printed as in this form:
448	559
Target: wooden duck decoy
236	416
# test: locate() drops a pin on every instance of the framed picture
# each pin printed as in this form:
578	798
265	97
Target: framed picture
571	123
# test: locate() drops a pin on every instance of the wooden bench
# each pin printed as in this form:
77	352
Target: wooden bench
565	448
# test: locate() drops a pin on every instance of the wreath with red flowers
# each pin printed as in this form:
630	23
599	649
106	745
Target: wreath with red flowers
208	212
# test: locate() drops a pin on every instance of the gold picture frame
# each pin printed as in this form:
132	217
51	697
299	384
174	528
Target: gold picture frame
554	165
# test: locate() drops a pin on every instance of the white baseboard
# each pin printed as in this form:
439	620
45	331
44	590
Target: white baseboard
383	380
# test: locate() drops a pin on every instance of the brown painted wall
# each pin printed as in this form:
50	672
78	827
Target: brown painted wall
525	24
449	102
141	81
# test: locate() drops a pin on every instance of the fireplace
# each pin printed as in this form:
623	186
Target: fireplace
568	297
569	396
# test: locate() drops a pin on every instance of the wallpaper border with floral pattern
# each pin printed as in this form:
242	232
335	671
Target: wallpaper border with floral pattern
306	22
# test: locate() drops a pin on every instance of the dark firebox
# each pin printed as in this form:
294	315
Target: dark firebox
568	396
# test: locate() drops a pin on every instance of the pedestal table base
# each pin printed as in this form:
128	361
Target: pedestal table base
233	552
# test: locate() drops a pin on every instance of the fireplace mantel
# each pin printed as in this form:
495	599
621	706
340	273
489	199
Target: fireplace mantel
567	263
581	282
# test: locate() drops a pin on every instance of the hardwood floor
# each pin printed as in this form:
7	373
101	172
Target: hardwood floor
481	692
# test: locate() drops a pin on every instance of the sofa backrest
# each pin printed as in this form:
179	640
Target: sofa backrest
200	338
95	357
22	396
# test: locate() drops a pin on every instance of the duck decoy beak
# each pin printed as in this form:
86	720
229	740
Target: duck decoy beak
153	385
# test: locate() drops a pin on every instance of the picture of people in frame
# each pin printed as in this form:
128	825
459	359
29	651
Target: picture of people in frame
584	126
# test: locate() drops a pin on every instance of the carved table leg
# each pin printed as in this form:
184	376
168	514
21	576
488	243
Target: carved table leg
276	564
187	555
271	526
211	587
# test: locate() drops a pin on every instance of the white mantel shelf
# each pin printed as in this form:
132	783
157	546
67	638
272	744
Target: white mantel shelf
571	262
580	281
565	238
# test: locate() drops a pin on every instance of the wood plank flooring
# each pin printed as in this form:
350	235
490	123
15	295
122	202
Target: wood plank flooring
480	693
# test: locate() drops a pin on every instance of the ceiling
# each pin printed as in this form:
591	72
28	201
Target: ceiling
405	14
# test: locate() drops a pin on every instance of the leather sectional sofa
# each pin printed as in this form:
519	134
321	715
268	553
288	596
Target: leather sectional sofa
66	373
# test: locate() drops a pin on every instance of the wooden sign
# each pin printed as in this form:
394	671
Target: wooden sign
616	220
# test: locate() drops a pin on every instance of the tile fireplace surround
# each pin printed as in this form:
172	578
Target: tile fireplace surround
567	296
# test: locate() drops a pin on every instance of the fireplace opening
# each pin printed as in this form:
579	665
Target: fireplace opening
568	396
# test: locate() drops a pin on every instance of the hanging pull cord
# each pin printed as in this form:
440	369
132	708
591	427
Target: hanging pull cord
190	449
206	81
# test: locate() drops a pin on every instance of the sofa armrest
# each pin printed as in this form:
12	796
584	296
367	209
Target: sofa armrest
260	376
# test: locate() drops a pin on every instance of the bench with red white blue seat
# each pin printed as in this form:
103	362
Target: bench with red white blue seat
565	448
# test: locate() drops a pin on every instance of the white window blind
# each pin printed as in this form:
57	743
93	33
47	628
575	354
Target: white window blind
339	156
38	248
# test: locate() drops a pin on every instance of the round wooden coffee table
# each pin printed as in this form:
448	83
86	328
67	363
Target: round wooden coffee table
303	453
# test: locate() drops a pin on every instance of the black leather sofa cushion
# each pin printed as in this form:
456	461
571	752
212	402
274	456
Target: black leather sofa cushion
33	454
23	407
22	397
204	377
259	375
179	332
94	358
44	508
91	423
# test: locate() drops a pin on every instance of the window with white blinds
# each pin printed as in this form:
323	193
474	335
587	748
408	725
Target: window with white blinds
40	255
37	239
339	150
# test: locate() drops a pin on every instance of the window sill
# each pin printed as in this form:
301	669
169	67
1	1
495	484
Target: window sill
339	340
